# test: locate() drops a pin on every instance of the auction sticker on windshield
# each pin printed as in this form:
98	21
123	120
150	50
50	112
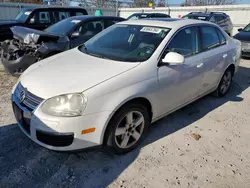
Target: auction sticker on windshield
151	30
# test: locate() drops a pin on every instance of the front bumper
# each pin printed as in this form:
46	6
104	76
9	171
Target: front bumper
60	133
16	67
245	54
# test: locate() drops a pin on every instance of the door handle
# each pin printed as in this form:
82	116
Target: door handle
224	56
199	65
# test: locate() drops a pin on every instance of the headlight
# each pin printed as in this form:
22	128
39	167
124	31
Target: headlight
68	105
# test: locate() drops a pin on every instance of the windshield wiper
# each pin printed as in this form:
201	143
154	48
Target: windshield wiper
85	49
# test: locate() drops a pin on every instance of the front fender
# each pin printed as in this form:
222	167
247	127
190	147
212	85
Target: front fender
113	101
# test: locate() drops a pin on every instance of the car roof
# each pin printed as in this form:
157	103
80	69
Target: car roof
87	17
167	23
147	13
66	8
199	14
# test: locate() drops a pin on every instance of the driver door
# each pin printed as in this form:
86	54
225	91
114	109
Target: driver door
180	84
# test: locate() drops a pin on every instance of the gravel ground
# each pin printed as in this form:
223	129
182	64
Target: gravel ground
205	144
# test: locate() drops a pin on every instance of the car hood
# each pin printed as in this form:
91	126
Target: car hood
27	35
7	22
243	36
70	72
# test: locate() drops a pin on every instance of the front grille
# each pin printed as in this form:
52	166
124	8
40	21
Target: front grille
245	44
55	139
23	121
30	101
245	54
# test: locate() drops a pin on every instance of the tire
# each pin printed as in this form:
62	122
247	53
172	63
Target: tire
129	131
224	84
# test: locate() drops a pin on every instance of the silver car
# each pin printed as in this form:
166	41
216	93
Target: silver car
109	90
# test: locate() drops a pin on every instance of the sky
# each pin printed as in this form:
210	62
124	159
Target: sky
181	1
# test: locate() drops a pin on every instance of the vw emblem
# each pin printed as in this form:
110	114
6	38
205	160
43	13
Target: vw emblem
22	96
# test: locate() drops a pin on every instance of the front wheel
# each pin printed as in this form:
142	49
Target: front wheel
127	128
225	83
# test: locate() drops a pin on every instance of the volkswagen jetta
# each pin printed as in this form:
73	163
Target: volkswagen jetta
108	91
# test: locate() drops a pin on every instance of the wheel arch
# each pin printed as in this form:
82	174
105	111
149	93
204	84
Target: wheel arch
231	67
141	100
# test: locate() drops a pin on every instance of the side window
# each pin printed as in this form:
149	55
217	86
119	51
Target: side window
91	28
110	22
185	42
219	19
222	38
79	14
40	17
209	38
63	15
44	17
212	19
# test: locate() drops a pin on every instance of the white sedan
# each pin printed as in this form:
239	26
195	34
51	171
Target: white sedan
108	91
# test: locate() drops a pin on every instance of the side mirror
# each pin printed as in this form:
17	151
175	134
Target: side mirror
240	29
75	34
32	20
173	58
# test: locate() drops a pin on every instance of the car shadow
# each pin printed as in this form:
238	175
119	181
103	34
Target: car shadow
24	163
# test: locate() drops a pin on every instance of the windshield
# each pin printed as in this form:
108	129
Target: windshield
137	16
204	18
62	27
22	16
247	28
132	43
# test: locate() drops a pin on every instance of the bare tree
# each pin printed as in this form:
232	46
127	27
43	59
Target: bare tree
207	2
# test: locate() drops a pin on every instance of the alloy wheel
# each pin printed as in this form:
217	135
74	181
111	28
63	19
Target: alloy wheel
226	81
129	129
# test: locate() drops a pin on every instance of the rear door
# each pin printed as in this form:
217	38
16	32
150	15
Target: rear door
86	31
215	55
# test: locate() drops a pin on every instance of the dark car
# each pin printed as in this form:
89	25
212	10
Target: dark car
136	16
30	46
38	18
244	37
220	18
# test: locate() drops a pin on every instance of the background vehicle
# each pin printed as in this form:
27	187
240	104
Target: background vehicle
38	18
110	89
244	37
30	46
220	18
136	16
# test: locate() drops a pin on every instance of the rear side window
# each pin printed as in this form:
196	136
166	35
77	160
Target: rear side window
222	38
209	37
60	15
110	22
79	14
219	19
63	15
185	42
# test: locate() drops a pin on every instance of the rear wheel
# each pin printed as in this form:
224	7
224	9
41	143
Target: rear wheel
127	128
225	83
